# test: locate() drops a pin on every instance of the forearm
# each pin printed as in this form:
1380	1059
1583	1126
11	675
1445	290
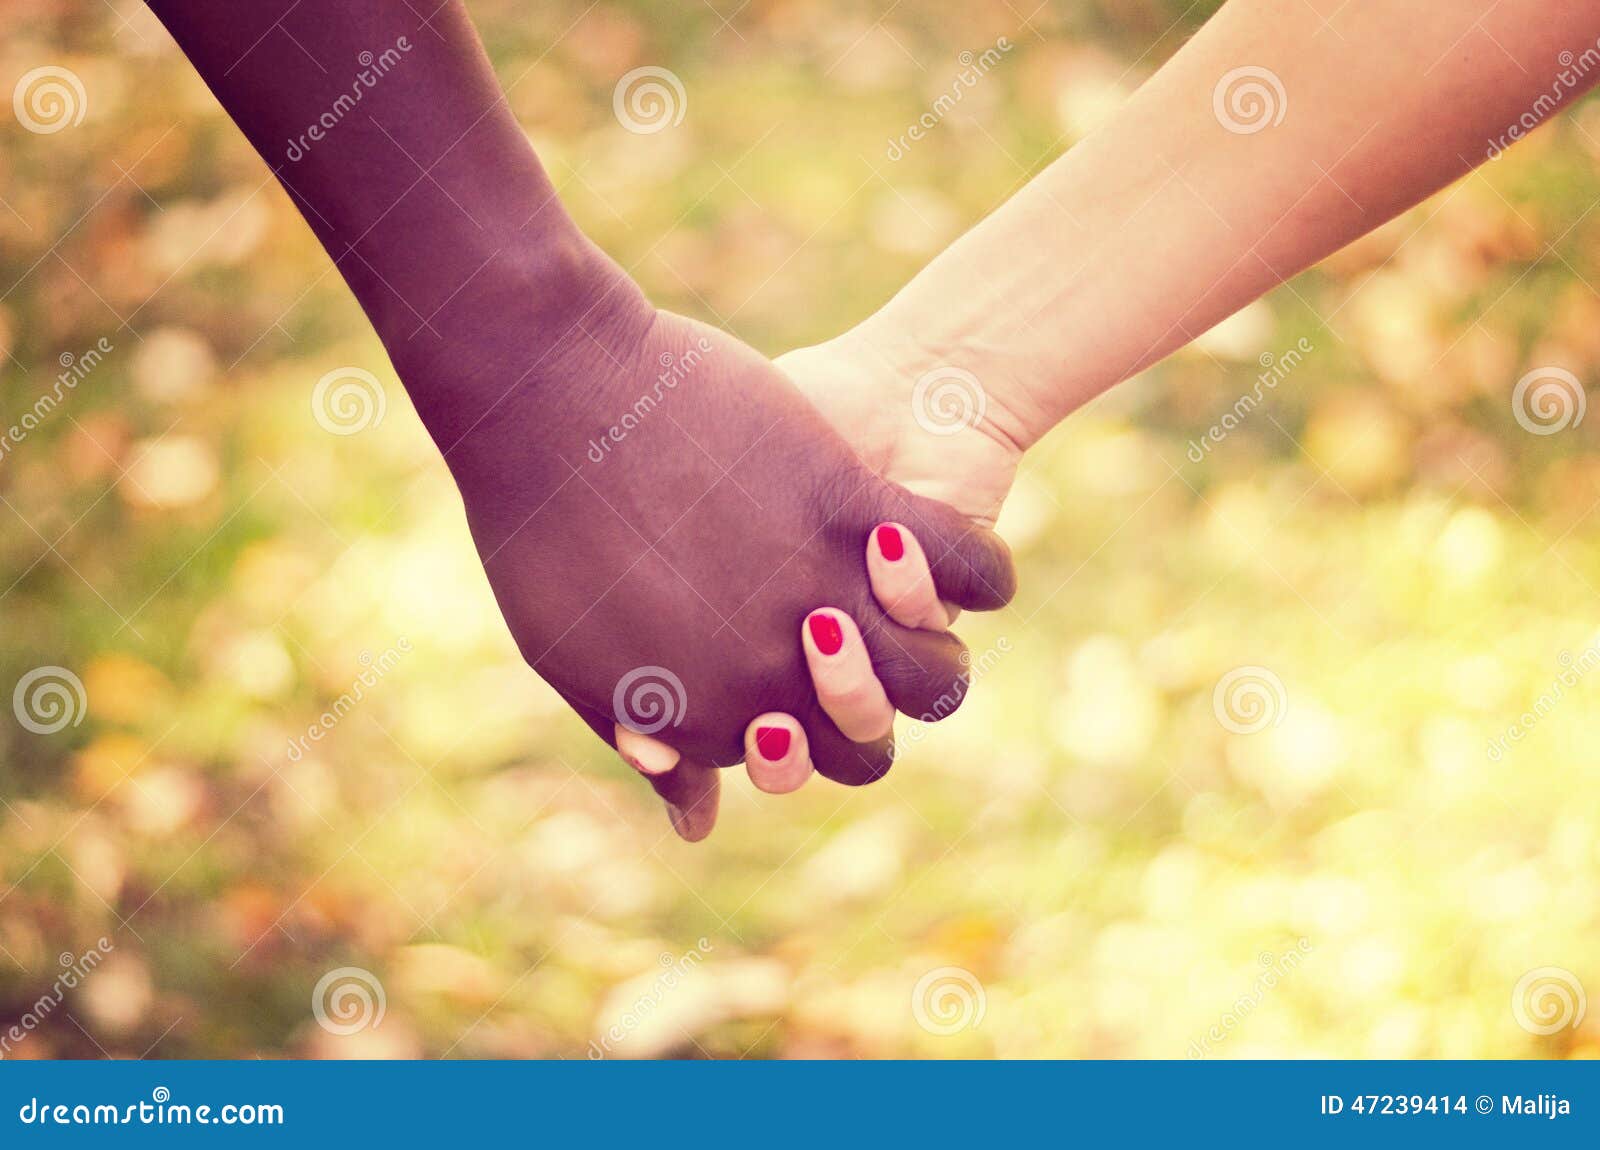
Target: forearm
388	128
1170	217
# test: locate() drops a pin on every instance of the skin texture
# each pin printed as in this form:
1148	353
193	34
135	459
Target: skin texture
866	388
684	552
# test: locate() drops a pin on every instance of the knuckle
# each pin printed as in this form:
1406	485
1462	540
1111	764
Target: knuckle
840	494
777	676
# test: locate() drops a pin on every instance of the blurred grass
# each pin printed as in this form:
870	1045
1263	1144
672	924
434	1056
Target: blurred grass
1084	838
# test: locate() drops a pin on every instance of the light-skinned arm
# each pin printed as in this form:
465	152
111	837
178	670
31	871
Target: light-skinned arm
1278	134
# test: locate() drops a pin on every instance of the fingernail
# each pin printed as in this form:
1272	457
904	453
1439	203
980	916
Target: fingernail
690	827
890	543
651	758
826	633
772	742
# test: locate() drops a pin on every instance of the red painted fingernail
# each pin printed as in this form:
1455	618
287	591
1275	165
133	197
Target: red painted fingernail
826	633
890	543
772	742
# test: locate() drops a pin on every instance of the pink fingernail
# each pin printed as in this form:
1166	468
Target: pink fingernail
826	633
772	742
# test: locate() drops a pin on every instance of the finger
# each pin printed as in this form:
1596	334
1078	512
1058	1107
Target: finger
839	760
901	581
692	791
971	565
776	753
644	754
834	754
924	673
841	672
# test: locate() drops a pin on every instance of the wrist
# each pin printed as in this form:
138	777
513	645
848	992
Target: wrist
520	344
950	371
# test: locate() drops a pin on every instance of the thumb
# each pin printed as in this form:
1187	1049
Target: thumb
689	787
